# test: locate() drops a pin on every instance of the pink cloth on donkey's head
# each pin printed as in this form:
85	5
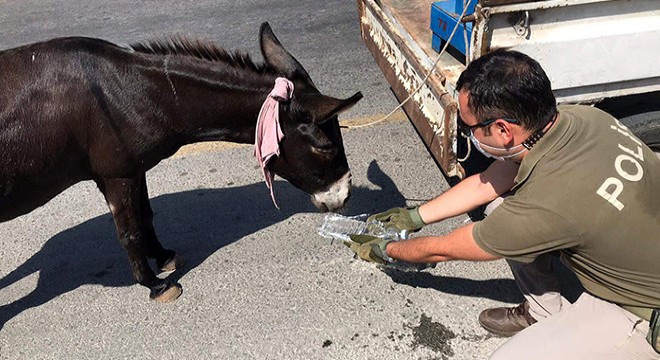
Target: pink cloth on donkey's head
268	132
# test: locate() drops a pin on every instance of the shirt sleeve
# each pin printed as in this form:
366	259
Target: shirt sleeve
521	231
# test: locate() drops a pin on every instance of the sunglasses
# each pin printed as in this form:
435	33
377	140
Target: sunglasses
466	130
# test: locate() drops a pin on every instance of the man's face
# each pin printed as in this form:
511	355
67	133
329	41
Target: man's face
470	119
464	109
498	139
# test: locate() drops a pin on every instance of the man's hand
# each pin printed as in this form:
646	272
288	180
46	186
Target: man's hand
400	219
369	248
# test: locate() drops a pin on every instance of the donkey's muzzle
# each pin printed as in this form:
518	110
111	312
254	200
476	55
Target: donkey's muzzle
335	197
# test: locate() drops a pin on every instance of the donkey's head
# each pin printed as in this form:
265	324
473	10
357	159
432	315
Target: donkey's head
312	156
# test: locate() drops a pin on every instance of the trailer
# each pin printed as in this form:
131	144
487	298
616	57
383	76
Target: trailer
600	52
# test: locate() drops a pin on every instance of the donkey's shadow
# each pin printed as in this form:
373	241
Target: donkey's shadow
195	223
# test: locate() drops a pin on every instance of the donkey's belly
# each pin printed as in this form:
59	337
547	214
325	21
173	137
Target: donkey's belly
20	197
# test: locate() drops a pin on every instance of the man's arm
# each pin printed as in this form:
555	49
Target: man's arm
457	245
472	192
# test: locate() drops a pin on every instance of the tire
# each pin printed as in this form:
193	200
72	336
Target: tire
646	126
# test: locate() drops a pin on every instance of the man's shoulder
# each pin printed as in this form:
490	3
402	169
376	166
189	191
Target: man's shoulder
582	113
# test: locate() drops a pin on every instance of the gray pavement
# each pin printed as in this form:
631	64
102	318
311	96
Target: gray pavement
259	283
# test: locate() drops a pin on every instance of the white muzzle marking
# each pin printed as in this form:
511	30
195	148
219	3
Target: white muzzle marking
335	197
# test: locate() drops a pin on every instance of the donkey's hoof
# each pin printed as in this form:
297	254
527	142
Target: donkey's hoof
174	263
168	294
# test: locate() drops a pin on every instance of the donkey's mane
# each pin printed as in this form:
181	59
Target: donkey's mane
206	50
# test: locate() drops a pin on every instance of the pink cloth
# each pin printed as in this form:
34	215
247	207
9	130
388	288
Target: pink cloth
268	131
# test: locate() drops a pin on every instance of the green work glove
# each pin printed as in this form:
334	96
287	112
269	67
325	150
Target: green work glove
370	248
400	219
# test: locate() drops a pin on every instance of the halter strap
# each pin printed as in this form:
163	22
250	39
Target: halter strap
268	133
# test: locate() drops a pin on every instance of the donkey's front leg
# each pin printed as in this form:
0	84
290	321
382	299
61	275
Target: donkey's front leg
123	197
166	260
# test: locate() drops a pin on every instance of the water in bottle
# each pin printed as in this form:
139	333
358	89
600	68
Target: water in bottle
340	227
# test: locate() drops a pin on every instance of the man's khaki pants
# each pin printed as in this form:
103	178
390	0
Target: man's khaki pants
590	328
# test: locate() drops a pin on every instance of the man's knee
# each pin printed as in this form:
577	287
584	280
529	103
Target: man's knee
508	352
520	346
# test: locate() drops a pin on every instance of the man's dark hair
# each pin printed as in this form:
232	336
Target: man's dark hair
509	84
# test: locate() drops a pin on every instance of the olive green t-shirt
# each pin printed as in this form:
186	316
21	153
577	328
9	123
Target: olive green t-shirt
591	190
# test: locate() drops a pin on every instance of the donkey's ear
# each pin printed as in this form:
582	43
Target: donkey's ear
325	107
276	56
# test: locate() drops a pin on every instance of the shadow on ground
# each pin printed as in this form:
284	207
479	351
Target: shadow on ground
196	224
504	290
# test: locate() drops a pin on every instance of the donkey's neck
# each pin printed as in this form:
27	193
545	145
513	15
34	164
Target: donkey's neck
215	101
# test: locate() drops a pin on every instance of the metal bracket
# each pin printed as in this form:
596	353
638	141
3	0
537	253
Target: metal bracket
522	25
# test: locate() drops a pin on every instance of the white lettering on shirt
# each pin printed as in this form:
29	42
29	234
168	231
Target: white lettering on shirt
623	173
611	197
612	187
624	130
639	154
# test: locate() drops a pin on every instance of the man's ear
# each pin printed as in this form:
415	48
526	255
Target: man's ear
276	56
324	107
503	129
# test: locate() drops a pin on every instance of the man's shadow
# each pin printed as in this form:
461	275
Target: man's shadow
196	224
503	290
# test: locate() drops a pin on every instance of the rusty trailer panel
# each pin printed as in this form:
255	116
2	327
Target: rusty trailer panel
580	44
432	109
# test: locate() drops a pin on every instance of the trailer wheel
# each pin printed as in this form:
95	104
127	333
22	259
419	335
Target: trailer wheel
646	126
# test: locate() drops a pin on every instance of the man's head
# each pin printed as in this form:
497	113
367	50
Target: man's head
505	95
509	84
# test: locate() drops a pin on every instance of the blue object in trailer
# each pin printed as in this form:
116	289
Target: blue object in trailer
444	17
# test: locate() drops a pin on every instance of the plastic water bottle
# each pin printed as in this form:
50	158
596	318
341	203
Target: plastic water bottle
335	226
340	227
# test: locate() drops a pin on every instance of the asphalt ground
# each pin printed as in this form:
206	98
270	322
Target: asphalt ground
259	283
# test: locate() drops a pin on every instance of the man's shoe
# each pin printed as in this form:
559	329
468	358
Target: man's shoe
506	321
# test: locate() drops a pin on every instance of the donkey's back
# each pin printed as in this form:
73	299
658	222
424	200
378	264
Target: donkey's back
58	101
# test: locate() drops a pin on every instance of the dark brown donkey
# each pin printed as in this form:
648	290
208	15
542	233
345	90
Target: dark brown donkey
75	109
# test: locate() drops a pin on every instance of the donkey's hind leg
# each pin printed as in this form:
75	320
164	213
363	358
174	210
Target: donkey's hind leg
166	260
123	197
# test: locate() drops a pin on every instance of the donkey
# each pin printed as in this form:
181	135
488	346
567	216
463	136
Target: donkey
75	109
